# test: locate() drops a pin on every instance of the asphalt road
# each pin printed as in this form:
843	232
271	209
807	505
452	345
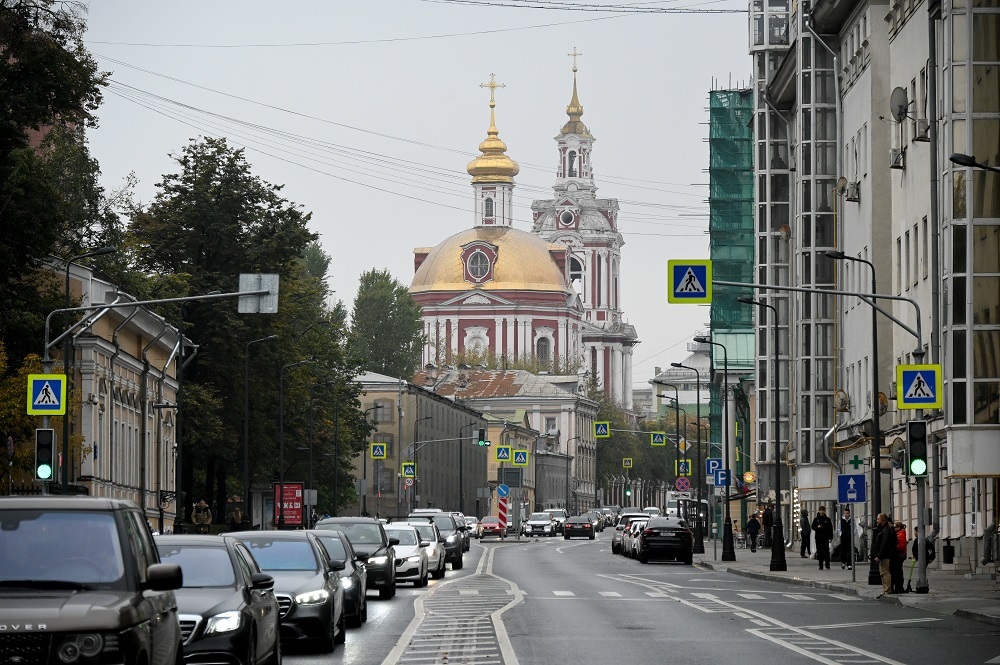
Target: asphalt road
574	601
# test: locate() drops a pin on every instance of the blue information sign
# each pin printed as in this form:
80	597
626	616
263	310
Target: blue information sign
712	464
502	491
851	488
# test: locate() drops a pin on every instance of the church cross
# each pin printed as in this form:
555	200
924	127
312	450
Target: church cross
574	55
492	85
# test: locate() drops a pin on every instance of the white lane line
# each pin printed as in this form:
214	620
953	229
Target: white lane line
475	592
615	594
657	594
743	615
706	596
759	622
752	596
857	624
844	596
563	593
795	596
993	661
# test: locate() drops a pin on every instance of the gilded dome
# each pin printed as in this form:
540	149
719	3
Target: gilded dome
523	263
575	112
493	165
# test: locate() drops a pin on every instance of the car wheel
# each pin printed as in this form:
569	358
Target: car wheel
275	658
342	627
439	573
592	536
363	614
688	560
422	580
457	565
565	537
614	550
328	641
387	592
643	558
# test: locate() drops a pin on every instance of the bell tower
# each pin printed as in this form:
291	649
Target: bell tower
493	173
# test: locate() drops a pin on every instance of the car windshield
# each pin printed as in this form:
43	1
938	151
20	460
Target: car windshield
445	523
358	533
426	531
491	520
471	521
73	546
539	517
405	536
282	554
202	566
334	546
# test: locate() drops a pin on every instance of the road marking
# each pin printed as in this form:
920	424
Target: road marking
468	592
994	661
760	622
795	596
611	594
751	596
563	593
856	624
706	596
656	594
843	596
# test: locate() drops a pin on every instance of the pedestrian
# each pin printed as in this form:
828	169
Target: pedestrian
930	547
899	556
236	520
806	532
767	521
202	516
823	528
848	529
752	530
883	550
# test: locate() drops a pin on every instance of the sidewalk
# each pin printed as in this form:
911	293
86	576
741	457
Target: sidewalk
976	598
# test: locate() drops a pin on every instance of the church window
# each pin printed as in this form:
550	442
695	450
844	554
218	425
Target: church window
566	218
543	351
576	274
488	208
572	164
479	265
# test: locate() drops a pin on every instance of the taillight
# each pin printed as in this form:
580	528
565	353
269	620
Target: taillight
648	532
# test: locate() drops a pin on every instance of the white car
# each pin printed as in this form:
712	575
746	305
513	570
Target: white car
434	548
411	558
539	524
475	529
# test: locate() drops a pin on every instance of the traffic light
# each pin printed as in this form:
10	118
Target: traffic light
916	448
628	491
45	445
483	441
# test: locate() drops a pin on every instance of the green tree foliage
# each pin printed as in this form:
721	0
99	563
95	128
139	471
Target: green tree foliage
385	334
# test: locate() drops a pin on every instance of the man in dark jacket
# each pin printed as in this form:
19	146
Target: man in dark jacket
822	527
767	522
884	549
753	529
806	532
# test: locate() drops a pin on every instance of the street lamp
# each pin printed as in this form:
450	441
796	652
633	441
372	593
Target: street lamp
246	429
969	160
414	456
699	544
873	573
312	438
677	414
778	562
728	544
281	438
364	462
101	251
569	461
461	467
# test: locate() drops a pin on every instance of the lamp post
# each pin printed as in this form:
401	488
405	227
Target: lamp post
461	467
312	438
778	562
281	438
873	573
101	251
414	456
970	161
364	463
699	544
728	544
677	414
569	461
246	429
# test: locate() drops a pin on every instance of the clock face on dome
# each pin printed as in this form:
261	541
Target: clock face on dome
566	218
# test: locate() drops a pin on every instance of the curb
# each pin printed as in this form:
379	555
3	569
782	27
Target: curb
976	616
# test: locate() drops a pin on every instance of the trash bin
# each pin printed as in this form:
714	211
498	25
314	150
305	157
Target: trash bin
948	552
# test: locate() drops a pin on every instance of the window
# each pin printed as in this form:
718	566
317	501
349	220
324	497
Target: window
550	424
384	411
543	351
916	254
566	218
906	257
899	266
572	164
479	265
386	440
924	246
488	208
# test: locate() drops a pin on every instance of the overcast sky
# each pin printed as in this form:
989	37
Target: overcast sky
367	111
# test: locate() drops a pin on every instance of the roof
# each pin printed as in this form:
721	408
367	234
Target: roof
487	383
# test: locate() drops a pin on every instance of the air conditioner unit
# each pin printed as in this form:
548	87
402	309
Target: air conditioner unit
853	191
841	401
897	158
922	132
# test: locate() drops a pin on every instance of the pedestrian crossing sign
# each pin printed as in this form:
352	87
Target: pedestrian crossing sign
46	394
919	387
409	470
378	451
520	458
503	453
657	438
682	467
602	430
690	281
626	462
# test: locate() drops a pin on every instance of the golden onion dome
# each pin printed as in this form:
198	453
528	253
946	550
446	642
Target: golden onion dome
523	263
493	165
575	112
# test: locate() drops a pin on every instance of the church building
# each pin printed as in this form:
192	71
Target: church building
550	296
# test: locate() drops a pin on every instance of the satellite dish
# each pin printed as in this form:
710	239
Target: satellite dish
898	104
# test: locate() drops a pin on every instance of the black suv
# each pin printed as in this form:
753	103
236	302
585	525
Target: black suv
77	584
451	532
373	546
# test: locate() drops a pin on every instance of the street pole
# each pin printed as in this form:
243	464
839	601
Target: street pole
246	431
461	467
728	543
699	543
281	439
414	456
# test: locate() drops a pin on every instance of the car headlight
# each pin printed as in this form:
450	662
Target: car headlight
413	559
548	527
378	560
451	539
86	645
312	597
223	623
346	582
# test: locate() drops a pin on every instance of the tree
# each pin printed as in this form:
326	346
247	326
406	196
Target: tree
385	334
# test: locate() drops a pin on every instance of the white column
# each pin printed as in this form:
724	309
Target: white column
454	334
509	344
498	336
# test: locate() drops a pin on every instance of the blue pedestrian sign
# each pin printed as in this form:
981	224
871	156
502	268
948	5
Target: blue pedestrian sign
409	470
378	451
690	281
721	478
503	453
851	488
502	491
46	394
682	467
712	464
520	458
919	387
602	430
657	438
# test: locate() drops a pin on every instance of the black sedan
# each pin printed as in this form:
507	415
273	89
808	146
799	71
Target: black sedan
580	526
306	584
373	546
226	606
354	576
666	538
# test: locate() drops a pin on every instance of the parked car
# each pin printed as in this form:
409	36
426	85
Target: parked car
466	533
451	532
596	518
666	538
475	529
623	521
354	576
372	546
539	524
581	525
491	526
559	515
227	605
306	584
433	544
75	577
411	559
630	539
652	511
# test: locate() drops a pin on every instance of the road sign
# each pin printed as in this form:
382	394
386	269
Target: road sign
503	453
626	462
502	512
720	477
712	464
851	488
408	482
683	445
409	470
378	451
502	491
657	438
682	467
749	476
690	281
602	430
520	458
47	394
682	484
919	387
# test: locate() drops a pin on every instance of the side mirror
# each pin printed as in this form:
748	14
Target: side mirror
393	542
261	582
363	556
164	577
338	564
425	543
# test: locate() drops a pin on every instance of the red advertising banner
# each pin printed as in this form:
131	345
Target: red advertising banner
293	506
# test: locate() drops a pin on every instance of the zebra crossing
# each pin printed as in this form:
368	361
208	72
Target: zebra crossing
703	599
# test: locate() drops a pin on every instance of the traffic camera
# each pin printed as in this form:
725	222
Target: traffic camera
916	448
45	444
